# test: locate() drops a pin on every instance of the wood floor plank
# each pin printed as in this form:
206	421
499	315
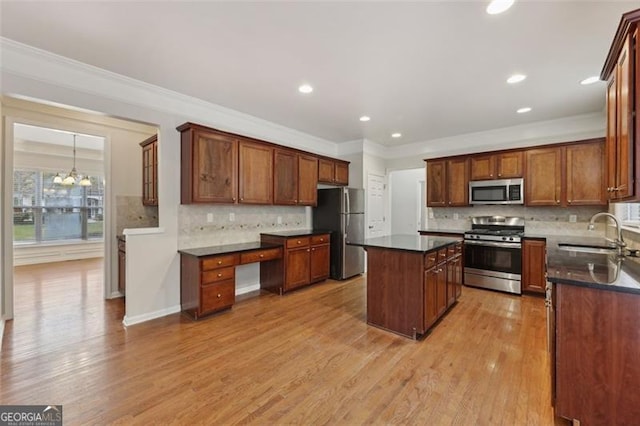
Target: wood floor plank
304	358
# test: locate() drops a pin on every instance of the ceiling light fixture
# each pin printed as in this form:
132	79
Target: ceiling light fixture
590	80
305	88
365	118
523	110
499	6
516	78
396	135
70	179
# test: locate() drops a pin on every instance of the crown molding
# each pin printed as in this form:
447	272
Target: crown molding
40	65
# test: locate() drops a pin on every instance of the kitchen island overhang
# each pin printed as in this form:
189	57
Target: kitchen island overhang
412	280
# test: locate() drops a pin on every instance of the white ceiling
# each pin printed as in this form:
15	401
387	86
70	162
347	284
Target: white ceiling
426	69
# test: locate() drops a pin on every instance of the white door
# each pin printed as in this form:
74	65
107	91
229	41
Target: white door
375	206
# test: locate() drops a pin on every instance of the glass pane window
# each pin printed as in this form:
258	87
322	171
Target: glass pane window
45	211
628	213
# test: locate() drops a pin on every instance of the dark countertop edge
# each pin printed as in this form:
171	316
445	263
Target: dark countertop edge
423	251
297	233
226	249
605	287
443	231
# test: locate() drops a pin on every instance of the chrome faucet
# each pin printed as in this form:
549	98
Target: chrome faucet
619	241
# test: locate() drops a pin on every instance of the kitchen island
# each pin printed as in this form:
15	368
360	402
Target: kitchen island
594	325
412	281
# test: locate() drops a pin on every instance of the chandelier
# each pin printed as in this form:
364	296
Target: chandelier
73	176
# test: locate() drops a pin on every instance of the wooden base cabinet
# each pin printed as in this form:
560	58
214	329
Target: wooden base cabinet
534	266
207	284
122	265
305	261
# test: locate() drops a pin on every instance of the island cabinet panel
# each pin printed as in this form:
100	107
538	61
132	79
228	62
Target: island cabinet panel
395	299
255	172
597	343
543	184
209	167
454	273
586	174
305	261
534	267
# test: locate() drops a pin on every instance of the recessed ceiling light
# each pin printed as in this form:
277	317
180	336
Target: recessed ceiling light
523	110
305	88
590	80
499	6
516	78
396	135
365	118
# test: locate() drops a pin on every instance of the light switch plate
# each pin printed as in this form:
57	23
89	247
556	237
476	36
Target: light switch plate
232	217
209	217
279	220
456	216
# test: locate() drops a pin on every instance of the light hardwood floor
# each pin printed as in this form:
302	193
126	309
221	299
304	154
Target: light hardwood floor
305	358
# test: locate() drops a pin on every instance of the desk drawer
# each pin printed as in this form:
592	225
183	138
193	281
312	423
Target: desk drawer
261	255
221	261
217	275
298	242
320	239
217	296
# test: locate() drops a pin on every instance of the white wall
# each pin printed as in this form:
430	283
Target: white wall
404	187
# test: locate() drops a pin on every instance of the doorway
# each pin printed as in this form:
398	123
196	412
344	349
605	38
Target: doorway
375	206
407	201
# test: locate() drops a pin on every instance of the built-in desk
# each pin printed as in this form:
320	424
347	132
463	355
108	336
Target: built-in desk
207	274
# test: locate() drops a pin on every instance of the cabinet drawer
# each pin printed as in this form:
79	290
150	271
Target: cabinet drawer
217	296
298	242
260	255
442	254
430	259
217	275
223	261
458	248
320	239
451	251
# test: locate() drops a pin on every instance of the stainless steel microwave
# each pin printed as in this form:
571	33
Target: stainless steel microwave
503	191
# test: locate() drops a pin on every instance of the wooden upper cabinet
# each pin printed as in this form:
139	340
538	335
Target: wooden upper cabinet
308	180
504	165
255	172
622	72
209	166
150	171
543	183
457	182
436	183
295	178
333	172
585	174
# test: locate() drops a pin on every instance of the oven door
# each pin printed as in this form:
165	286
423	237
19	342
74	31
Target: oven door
493	256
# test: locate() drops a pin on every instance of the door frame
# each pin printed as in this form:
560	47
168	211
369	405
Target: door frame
385	206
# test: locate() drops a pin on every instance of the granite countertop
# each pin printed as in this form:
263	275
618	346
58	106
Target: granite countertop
297	233
602	271
227	248
444	231
417	243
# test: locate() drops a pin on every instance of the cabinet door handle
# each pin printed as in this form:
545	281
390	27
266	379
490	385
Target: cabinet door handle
313	249
219	295
219	262
262	255
569	201
233	199
557	201
219	275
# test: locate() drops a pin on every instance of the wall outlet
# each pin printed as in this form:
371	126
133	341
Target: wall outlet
279	220
232	217
430	214
209	217
573	218
456	216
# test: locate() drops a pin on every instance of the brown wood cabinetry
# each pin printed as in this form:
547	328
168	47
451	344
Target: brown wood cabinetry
305	261
566	175
497	166
122	265
255	172
622	72
333	172
448	182
295	178
150	171
534	266
596	355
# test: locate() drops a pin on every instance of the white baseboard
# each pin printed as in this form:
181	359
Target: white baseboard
247	289
137	319
115	295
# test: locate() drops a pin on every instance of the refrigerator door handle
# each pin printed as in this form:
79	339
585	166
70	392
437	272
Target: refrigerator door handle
347	201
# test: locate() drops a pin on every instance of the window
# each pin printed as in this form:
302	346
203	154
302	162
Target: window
628	213
45	212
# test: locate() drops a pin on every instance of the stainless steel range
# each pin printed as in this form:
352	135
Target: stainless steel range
493	253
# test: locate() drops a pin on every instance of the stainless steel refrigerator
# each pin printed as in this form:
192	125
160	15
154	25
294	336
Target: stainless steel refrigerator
341	211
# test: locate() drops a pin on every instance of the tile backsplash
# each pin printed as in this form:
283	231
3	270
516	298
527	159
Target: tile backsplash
209	225
131	213
543	220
